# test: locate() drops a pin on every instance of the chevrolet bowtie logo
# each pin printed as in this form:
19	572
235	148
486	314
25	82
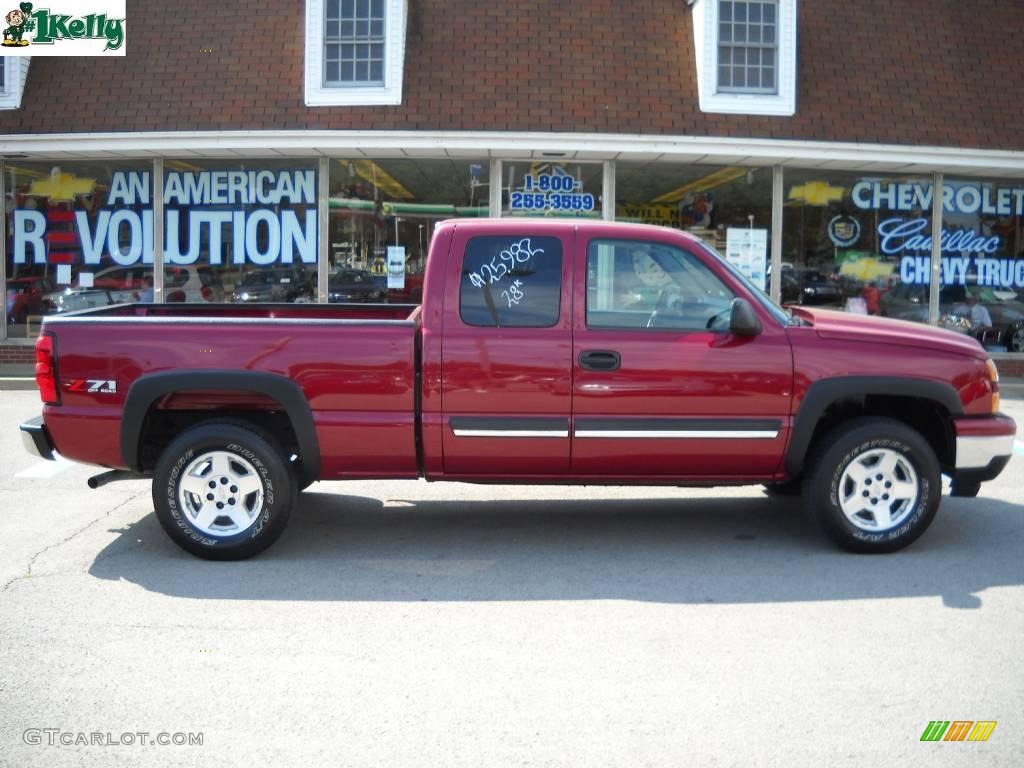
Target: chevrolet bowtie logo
817	193
62	187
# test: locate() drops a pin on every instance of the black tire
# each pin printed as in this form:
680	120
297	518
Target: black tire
272	507
859	438
787	489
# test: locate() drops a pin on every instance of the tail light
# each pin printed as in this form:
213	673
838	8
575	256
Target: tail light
207	293
46	370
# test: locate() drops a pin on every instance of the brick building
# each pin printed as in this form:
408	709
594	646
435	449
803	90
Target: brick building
832	132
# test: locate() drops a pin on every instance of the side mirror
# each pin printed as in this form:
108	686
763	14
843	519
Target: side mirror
743	320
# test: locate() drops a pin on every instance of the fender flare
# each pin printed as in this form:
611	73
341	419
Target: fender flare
824	392
148	389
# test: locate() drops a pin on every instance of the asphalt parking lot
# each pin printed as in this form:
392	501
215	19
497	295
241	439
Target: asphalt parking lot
415	624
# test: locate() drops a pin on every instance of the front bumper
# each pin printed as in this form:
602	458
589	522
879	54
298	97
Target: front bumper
36	439
983	446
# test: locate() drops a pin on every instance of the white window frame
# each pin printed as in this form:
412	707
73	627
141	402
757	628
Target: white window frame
320	95
705	38
15	73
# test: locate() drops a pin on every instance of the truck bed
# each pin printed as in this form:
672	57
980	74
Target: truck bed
355	365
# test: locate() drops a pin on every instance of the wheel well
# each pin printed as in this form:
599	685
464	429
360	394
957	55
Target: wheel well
927	417
162	425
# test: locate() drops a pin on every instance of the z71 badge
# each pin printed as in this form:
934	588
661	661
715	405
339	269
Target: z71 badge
100	386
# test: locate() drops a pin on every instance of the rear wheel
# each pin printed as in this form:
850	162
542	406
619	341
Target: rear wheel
223	492
874	486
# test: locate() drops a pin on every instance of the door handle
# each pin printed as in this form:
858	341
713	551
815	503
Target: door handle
600	360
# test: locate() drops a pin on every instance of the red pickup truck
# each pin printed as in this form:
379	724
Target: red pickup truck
544	352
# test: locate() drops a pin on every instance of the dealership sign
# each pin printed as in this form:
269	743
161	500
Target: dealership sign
94	28
271	218
965	250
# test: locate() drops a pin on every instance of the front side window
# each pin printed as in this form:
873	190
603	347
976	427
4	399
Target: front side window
643	285
354	42
747	46
511	282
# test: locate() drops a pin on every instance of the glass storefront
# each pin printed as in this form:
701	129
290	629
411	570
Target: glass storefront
836	249
81	233
78	236
728	207
381	218
241	231
863	243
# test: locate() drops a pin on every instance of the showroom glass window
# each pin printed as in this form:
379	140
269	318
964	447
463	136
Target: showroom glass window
79	235
983	260
240	231
382	214
748	46
729	207
850	239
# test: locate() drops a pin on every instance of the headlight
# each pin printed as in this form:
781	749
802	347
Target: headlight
954	322
810	289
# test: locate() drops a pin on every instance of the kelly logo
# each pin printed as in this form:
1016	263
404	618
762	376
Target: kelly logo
958	730
102	30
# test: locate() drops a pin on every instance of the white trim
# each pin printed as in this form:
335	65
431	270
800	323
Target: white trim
688	434
511	432
320	95
705	46
15	74
593	146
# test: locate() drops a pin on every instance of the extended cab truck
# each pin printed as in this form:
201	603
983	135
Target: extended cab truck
544	352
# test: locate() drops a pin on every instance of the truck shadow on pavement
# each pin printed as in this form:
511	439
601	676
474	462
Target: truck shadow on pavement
667	550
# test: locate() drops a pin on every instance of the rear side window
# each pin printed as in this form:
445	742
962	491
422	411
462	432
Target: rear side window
511	282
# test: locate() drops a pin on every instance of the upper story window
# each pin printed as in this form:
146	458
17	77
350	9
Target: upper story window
354	43
746	56
13	73
355	52
747	46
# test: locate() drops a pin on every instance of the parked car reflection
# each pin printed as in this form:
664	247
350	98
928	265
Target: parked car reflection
910	302
356	285
279	284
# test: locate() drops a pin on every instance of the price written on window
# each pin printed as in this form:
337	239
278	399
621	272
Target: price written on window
502	265
514	294
552	191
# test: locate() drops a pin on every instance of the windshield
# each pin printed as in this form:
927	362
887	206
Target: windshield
762	298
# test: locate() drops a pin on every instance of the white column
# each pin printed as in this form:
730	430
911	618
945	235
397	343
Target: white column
778	199
608	192
323	240
495	182
158	230
934	285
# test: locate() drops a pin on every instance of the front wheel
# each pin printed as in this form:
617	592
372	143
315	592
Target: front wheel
874	486
223	492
